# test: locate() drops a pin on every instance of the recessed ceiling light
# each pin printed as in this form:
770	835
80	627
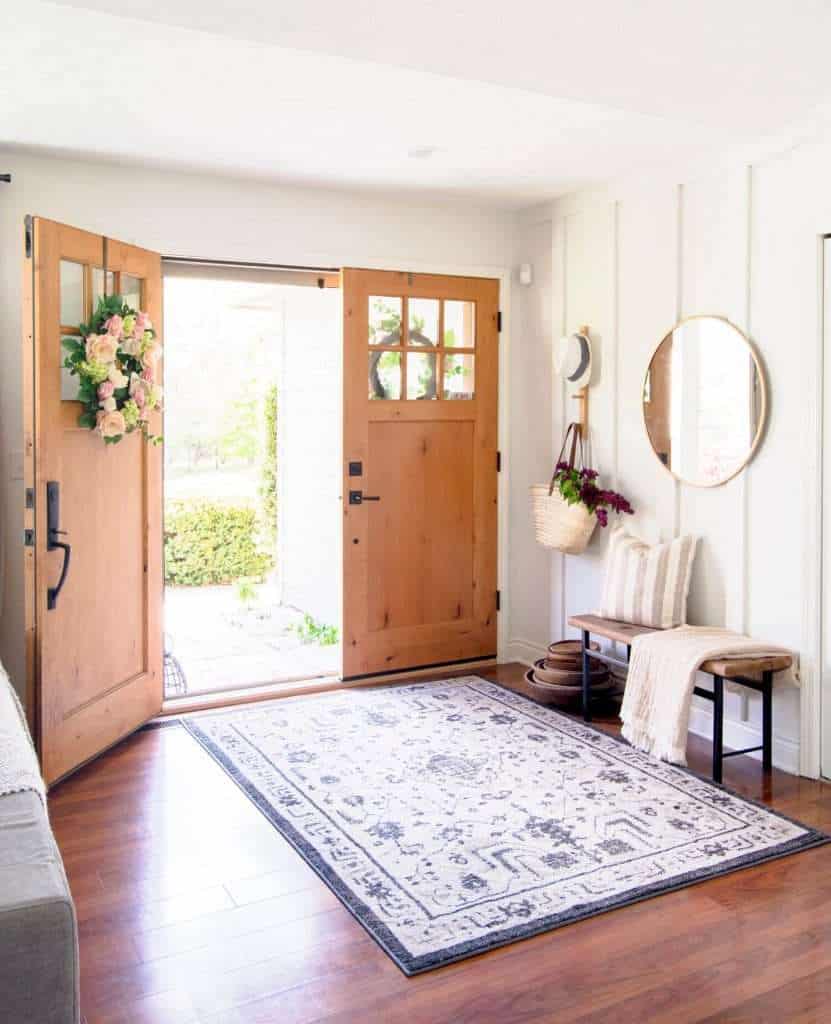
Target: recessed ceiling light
422	152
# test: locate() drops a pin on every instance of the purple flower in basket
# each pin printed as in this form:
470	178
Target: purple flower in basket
580	487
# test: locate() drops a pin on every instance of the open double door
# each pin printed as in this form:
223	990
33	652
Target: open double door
420	470
93	516
419	492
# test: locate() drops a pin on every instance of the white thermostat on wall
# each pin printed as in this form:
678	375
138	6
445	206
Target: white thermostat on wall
573	360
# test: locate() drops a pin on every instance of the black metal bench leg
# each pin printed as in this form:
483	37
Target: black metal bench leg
767	721
718	727
587	690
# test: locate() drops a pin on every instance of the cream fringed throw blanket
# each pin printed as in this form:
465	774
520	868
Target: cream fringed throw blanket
18	762
659	687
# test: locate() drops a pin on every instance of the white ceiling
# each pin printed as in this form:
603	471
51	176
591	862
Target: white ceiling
519	101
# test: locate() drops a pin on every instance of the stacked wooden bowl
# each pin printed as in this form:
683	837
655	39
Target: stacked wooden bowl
559	676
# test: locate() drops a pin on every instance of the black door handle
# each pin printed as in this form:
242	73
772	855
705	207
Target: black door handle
358	497
53	518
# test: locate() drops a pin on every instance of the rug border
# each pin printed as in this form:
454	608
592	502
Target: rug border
412	965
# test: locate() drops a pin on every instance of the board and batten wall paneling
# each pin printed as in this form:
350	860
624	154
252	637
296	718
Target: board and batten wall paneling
791	209
714	278
530	454
647	304
589	301
742	242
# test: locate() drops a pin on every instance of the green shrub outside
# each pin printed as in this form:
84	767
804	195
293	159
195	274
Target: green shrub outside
268	470
209	543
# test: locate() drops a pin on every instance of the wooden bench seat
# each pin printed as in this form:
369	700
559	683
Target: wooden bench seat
754	673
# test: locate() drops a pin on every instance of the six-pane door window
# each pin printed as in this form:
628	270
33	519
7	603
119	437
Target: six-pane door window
421	349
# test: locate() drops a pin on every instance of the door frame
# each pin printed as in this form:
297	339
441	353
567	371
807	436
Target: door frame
815	691
496	272
39	234
503	276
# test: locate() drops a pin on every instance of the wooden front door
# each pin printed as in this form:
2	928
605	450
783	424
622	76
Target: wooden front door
95	649
420	473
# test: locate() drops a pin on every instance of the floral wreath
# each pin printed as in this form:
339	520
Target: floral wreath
116	362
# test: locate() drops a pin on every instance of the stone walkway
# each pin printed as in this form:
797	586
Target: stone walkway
222	645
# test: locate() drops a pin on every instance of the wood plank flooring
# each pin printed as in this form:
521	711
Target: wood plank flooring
194	910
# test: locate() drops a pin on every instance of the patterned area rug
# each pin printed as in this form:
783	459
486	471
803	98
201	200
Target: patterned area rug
452	817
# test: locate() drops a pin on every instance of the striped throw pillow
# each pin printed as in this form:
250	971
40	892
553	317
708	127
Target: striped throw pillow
646	584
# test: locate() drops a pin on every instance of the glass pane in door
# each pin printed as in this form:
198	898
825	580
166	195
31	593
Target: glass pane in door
72	293
384	375
459	324
421	375
458	376
101	285
69	384
423	322
131	290
384	320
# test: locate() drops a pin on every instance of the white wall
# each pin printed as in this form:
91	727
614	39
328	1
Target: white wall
309	453
739	240
201	215
529	457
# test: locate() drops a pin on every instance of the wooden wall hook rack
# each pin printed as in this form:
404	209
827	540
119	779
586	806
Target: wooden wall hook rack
582	397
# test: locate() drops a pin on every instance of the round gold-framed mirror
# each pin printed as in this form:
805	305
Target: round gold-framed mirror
705	400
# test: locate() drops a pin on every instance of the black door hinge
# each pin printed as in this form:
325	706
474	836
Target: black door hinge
28	228
30	497
499	462
498	600
499	321
29	538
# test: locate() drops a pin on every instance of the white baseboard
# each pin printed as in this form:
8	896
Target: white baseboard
738	735
526	652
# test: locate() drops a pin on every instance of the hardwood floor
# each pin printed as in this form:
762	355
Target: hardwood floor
192	908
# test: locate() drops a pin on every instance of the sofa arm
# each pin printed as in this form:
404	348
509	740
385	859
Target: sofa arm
38	927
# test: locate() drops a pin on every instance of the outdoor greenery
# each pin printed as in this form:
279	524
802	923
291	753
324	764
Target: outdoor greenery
312	632
209	543
247	592
268	469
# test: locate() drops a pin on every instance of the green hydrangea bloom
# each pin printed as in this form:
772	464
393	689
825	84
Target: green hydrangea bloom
97	372
130	412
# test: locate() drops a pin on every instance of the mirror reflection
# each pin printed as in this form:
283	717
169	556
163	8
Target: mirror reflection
704	401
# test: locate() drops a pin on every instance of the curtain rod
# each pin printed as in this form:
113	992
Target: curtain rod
247	265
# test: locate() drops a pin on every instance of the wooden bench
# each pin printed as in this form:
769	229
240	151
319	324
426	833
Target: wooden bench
754	673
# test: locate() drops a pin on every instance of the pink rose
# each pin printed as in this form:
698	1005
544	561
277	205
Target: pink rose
110	424
151	356
138	398
142	324
106	389
101	348
147	374
114	325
